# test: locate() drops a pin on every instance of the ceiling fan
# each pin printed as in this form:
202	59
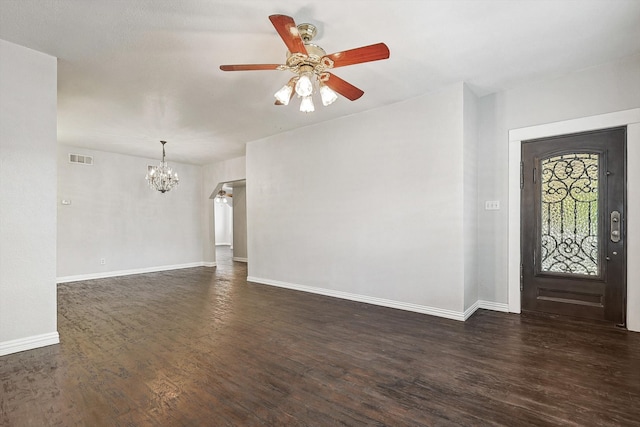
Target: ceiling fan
310	64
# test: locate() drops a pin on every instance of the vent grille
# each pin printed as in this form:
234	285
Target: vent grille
80	159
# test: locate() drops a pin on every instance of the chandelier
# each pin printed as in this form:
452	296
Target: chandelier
221	197
162	177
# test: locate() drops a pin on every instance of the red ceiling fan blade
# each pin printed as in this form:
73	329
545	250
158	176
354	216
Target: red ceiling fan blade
374	52
249	67
286	28
344	88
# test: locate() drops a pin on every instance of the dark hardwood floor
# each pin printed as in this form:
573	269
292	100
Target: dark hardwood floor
202	347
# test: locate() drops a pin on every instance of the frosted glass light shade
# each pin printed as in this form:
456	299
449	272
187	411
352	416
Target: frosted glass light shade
304	85
284	94
306	105
328	95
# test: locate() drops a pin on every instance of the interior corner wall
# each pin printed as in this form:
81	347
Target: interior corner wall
610	87
28	96
470	199
319	213
115	224
212	175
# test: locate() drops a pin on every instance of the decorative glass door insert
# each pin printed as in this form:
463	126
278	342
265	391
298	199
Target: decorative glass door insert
569	214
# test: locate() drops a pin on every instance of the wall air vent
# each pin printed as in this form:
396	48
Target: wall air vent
80	159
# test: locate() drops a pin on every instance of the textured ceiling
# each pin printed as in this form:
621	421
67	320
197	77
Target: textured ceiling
131	73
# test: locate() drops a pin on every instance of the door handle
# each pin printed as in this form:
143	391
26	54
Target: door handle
615	226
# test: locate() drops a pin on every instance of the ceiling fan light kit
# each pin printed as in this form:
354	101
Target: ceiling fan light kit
310	64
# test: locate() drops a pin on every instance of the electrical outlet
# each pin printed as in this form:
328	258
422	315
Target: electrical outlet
492	205
103	261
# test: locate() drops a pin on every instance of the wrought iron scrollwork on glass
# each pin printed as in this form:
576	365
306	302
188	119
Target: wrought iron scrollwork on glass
569	214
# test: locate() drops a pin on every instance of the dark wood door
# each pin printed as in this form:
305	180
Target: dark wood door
573	225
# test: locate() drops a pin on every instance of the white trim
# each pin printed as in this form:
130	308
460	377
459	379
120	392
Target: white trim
516	136
29	343
583	124
433	311
223	244
486	305
117	273
240	259
495	306
469	311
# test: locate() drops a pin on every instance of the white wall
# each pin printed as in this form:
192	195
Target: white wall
470	197
28	96
115	216
223	213
240	224
597	90
212	175
339	237
633	229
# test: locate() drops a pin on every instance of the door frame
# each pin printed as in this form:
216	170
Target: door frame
629	118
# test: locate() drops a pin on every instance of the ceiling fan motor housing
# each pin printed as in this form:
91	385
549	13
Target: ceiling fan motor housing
314	53
307	32
298	62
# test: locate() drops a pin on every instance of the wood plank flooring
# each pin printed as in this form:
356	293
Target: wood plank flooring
202	347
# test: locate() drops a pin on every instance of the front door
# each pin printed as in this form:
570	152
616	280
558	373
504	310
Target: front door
573	225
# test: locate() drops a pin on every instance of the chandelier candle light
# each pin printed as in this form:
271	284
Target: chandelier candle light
221	197
162	177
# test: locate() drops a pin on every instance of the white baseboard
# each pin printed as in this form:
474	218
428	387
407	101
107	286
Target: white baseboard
469	311
486	305
495	306
433	311
237	258
103	275
28	343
